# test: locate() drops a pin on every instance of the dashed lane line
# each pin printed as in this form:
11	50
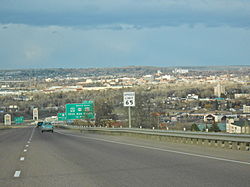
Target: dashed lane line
17	174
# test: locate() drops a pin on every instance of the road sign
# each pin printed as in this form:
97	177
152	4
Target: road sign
89	115
88	110
61	116
19	120
88	102
83	110
129	99
88	106
74	111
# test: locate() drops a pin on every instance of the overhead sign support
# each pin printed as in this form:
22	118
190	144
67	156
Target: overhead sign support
35	114
7	119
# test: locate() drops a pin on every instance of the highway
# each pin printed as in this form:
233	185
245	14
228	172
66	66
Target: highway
29	158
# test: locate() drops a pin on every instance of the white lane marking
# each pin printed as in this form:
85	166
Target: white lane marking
160	149
33	130
17	174
22	159
26	145
25	150
28	142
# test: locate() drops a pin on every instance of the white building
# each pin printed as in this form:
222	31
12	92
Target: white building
218	90
166	77
243	96
180	71
238	126
192	96
246	109
148	77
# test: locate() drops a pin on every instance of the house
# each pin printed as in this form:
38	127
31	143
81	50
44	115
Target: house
192	97
211	118
238	126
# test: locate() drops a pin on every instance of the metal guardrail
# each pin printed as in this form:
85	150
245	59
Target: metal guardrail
222	140
210	135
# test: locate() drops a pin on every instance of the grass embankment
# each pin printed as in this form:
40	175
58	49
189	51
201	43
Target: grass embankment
4	127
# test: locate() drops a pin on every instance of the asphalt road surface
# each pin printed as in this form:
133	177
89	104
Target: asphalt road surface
29	158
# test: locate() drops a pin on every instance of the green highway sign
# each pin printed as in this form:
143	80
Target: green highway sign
89	115
88	102
83	110
74	111
61	116
19	120
88	106
88	109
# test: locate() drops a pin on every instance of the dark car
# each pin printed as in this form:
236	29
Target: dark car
39	124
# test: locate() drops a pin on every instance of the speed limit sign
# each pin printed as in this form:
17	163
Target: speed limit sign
129	98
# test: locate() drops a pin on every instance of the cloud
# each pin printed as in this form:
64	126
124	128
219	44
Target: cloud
33	53
24	46
139	13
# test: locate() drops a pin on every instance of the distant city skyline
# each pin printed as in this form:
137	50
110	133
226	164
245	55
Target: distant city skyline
93	34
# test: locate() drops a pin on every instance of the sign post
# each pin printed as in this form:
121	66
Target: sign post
129	117
129	101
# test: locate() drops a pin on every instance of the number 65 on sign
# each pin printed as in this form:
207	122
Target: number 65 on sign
129	98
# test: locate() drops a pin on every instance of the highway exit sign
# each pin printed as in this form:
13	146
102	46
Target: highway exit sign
88	106
83	110
74	111
19	120
61	116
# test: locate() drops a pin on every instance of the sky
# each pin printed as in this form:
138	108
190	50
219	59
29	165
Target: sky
119	33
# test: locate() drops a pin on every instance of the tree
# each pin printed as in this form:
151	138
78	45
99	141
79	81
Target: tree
195	127
103	110
214	128
142	112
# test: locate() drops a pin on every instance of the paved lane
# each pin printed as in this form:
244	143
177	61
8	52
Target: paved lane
55	159
12	144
